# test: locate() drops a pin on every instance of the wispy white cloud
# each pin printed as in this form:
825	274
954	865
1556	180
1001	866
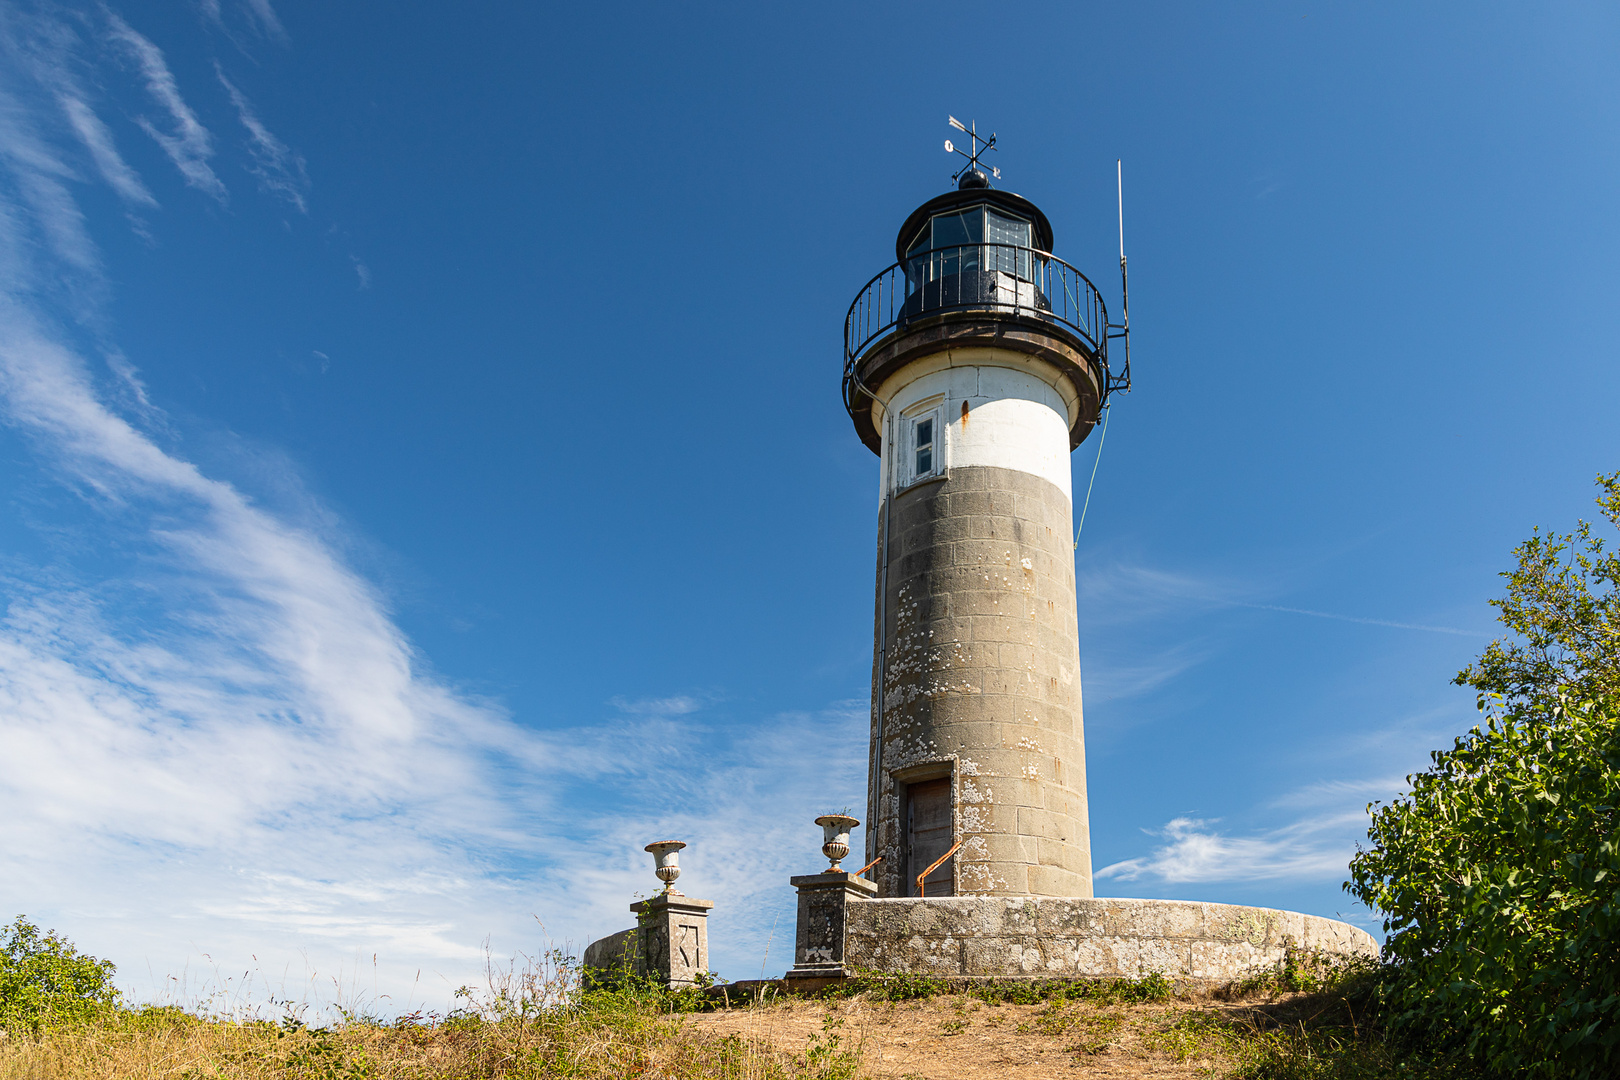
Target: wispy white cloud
1340	793
678	705
39	178
265	16
189	145
280	170
749	824
226	745
1122	591
257	17
1125	677
98	140
1193	852
263	731
1133	592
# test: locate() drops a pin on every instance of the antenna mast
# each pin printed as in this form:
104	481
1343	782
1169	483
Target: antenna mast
1123	381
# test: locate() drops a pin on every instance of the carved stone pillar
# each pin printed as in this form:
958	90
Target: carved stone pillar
674	932
818	952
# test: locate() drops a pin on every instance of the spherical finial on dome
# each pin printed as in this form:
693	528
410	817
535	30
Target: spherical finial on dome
973	178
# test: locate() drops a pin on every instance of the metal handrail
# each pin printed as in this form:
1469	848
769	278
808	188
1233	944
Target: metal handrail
921	890
1007	278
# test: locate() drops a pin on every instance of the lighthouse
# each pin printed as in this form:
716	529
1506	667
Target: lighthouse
973	367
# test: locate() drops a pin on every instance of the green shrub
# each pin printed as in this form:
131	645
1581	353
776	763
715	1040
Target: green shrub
1500	870
1500	875
44	979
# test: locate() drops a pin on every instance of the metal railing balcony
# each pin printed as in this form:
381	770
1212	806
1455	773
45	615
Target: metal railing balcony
1003	278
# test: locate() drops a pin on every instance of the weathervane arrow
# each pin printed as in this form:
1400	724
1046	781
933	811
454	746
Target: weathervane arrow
979	146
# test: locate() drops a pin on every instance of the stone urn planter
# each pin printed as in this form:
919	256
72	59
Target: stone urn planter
665	854
836	828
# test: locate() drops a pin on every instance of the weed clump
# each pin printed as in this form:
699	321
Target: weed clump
1321	1019
882	986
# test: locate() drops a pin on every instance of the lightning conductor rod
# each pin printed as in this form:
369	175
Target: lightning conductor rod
1124	278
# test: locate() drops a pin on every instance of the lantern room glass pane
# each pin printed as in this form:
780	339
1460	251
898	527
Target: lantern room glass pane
956	240
1002	229
962	227
1012	231
968	241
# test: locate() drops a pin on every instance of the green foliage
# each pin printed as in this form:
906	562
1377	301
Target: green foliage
1500	875
880	986
45	980
317	1053
1499	871
827	1056
1563	603
625	986
1322	1022
1305	971
1149	988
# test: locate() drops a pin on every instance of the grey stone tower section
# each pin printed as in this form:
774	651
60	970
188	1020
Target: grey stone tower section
973	397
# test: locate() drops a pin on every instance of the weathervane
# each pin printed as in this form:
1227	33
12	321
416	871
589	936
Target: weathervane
979	147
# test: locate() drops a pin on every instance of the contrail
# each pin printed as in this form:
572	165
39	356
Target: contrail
1368	622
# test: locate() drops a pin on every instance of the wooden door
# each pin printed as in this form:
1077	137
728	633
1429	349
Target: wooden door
928	836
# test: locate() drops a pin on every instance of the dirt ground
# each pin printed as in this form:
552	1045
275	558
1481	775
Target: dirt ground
960	1038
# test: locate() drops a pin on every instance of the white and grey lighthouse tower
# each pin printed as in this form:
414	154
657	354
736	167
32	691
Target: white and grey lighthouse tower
973	366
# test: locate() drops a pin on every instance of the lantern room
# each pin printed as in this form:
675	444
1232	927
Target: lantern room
975	246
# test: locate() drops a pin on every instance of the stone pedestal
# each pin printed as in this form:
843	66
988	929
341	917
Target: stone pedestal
674	932
824	900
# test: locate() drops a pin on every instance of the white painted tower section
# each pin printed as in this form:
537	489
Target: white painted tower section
1016	416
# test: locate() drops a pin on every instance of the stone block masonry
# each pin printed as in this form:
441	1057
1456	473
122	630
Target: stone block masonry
982	684
1088	938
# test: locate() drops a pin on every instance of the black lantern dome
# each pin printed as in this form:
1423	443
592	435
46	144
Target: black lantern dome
974	266
975	245
1016	218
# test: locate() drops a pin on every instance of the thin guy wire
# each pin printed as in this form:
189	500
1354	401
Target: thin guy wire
1101	439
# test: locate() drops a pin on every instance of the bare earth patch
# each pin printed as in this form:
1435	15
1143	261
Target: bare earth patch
961	1038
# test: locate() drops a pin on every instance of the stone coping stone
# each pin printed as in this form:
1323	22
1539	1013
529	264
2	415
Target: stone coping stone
613	950
1086	937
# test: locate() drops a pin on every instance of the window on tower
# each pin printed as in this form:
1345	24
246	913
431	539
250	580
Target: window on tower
924	443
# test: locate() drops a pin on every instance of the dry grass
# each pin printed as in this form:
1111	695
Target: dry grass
1295	1025
538	1022
607	1044
959	1037
532	1019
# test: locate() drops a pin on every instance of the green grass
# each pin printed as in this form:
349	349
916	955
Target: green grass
1317	1020
878	986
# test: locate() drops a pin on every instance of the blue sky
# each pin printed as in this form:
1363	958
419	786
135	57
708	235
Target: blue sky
427	482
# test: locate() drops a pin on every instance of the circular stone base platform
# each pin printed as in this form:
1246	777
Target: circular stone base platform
1090	938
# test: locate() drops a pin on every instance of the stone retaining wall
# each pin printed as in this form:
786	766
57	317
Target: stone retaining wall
1065	936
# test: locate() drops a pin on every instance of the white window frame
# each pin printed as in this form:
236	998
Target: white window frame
911	420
